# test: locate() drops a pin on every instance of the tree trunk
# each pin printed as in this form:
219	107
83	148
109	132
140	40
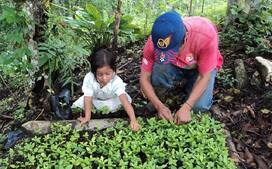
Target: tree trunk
229	17
230	4
145	25
247	6
36	12
202	7
190	8
251	5
116	25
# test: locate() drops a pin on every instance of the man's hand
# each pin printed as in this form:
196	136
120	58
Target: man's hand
148	90
165	113
183	115
83	120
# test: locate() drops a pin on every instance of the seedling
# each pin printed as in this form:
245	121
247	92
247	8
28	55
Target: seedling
159	144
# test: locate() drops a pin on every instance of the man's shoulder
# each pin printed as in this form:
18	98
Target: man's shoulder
149	42
197	20
200	26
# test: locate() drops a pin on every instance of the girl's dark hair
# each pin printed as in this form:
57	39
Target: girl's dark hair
101	58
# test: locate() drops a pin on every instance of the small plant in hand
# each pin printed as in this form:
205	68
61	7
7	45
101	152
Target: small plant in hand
159	144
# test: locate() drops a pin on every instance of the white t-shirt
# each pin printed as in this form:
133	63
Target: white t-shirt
115	87
105	96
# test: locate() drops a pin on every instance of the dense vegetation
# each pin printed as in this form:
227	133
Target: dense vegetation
159	144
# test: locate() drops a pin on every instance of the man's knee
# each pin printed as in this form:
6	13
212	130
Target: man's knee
202	106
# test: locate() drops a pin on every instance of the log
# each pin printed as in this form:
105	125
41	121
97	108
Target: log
44	127
232	149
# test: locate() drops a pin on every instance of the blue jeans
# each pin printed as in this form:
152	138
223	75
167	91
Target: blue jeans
165	75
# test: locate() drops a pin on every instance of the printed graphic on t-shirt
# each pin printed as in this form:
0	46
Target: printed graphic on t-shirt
166	57
190	62
189	58
162	57
145	61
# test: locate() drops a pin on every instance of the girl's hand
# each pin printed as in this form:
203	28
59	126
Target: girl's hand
83	120
134	125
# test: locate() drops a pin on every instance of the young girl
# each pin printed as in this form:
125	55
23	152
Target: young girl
103	88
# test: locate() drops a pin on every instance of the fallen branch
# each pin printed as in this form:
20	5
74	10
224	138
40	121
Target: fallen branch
7	117
39	114
232	149
261	163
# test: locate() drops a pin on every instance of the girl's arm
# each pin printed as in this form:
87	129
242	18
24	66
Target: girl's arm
130	111
87	110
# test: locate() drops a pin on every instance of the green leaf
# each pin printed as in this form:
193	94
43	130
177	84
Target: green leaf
69	167
126	19
92	11
42	60
8	14
5	59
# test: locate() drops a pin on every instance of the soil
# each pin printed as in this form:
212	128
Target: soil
242	111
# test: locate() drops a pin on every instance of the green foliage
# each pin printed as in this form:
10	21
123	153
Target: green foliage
6	105
19	114
102	110
250	31
96	27
77	110
17	111
3	138
214	10
69	35
14	51
62	51
226	77
159	144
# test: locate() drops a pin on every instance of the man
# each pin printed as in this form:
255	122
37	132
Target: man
180	49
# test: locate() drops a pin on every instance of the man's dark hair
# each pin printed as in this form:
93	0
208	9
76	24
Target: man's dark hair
101	58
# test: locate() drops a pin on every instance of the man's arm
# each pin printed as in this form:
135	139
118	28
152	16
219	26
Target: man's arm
183	114
145	83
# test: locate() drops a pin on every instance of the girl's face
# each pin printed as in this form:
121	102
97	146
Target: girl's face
104	75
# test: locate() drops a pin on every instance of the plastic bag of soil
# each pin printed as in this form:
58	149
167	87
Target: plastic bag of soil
60	105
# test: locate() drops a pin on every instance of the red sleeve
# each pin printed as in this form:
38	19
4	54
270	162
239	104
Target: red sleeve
148	59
